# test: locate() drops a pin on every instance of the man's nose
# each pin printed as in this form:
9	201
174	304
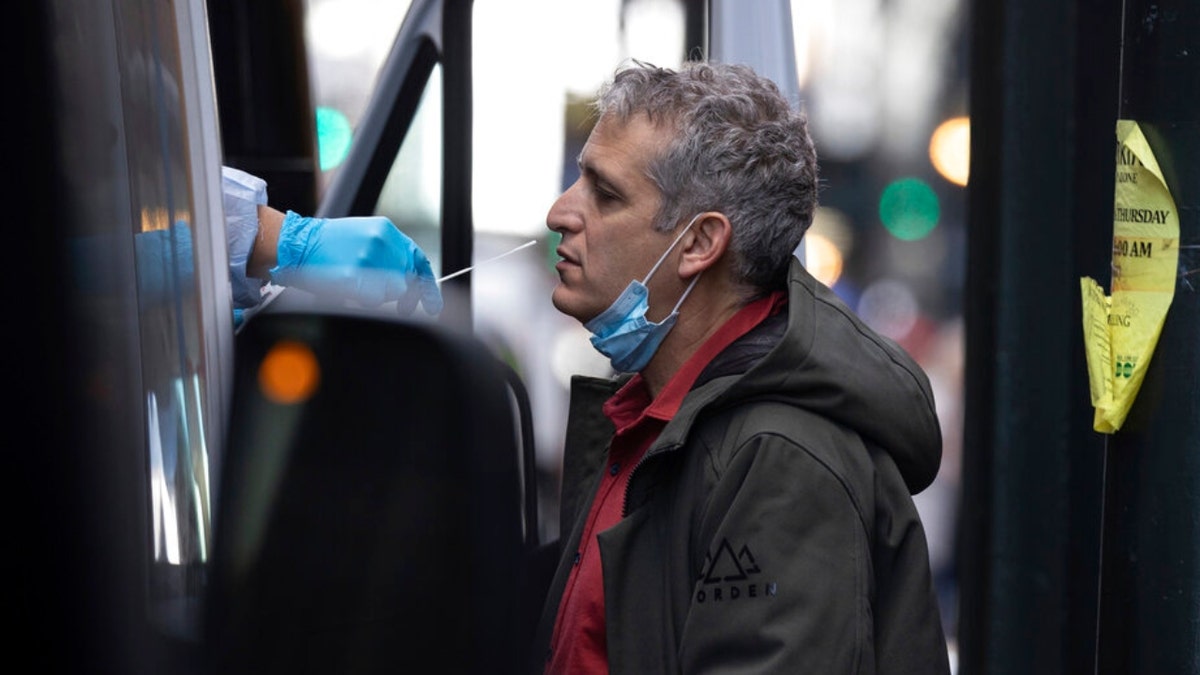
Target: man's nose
563	216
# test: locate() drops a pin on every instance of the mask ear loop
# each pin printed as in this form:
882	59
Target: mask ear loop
668	252
685	293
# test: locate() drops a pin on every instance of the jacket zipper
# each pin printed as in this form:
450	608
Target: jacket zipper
650	454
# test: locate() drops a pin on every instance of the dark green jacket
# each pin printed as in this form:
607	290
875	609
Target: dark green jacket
770	527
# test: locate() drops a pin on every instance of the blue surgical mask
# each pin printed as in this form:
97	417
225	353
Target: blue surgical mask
623	333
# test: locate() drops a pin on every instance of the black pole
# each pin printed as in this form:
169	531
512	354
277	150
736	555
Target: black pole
458	225
264	98
1043	111
1150	595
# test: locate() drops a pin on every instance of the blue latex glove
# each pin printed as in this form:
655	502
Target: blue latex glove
366	259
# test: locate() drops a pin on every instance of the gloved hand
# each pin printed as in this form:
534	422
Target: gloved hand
366	259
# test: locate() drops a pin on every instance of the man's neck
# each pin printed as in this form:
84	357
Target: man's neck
692	329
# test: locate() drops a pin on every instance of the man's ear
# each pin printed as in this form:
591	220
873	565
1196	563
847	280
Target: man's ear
705	243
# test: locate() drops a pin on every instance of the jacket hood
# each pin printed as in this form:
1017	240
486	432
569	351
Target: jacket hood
820	356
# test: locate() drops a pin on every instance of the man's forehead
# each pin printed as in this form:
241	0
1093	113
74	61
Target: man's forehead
623	140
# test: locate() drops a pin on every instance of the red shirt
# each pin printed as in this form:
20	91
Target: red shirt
578	644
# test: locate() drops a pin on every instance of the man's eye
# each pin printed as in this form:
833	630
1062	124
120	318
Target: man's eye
605	195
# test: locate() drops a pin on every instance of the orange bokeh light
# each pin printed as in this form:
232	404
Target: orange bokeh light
950	149
289	373
822	259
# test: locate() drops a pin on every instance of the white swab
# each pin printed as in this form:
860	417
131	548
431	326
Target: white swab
464	270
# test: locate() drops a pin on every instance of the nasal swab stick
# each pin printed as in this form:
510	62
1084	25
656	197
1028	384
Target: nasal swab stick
464	270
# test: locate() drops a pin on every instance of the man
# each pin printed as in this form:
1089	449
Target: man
741	503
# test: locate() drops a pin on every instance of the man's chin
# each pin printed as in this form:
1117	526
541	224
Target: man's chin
557	299
561	299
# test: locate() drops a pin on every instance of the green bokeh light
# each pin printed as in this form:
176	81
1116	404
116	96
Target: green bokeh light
909	209
333	137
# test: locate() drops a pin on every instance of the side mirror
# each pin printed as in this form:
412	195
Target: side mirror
370	506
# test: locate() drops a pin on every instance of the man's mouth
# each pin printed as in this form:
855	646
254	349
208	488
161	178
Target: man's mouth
566	257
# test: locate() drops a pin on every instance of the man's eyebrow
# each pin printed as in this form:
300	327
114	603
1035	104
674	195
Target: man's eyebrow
595	174
584	167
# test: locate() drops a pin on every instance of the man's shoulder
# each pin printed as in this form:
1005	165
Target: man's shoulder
786	427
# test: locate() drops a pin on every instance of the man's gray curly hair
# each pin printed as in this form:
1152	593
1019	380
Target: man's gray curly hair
739	147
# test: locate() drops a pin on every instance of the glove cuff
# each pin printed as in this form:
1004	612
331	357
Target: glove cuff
294	235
